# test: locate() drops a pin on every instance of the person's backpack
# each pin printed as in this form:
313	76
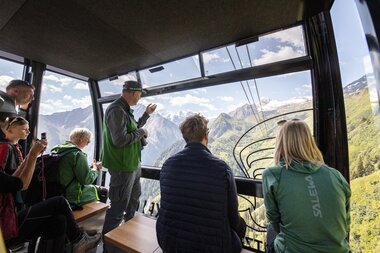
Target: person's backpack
44	183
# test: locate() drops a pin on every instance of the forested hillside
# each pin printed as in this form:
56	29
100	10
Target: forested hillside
363	135
363	128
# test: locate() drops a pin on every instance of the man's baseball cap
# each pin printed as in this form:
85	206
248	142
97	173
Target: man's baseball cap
133	86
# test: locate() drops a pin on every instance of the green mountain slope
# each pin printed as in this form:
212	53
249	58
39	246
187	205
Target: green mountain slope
363	135
365	214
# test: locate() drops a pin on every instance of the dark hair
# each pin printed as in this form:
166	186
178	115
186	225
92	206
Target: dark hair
194	128
18	83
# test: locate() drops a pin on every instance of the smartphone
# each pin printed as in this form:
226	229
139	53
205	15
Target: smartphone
43	136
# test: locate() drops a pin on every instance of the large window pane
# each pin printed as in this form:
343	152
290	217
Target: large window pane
115	86
232	109
363	126
174	71
278	46
65	105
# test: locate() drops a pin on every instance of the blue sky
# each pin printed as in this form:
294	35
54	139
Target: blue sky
62	93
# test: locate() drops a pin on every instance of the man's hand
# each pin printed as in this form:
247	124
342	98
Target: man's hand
150	108
97	165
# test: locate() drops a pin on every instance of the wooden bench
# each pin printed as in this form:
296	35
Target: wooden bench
137	235
89	210
134	236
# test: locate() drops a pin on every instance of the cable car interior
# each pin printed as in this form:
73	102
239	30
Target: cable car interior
243	64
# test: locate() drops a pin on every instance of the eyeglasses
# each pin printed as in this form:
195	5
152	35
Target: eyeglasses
283	121
208	130
16	119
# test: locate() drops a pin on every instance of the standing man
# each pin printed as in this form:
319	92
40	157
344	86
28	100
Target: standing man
199	206
18	93
121	154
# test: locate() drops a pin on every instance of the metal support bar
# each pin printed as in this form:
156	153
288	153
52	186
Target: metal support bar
276	68
245	186
329	116
98	115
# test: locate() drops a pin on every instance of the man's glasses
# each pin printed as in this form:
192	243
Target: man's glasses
283	121
13	121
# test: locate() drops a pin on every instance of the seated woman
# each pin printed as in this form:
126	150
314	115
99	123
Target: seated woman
307	203
74	172
51	219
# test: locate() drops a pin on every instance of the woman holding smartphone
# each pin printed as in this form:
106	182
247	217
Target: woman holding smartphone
51	219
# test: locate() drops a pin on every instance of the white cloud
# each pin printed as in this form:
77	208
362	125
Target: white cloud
64	81
4	81
304	90
163	97
225	98
294	36
274	104
197	91
82	102
285	52
81	86
51	106
51	88
234	107
213	57
67	97
208	57
190	99
109	93
51	78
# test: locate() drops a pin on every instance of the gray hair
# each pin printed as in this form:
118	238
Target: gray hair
80	133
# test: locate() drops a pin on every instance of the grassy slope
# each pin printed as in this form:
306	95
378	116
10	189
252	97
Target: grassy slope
365	214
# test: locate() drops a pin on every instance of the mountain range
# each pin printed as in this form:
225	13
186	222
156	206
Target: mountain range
163	131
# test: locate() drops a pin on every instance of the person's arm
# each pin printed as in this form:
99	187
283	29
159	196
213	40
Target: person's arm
149	110
26	168
142	120
83	173
117	121
9	183
269	191
236	223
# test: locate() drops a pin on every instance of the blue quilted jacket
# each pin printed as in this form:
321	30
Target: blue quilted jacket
198	210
